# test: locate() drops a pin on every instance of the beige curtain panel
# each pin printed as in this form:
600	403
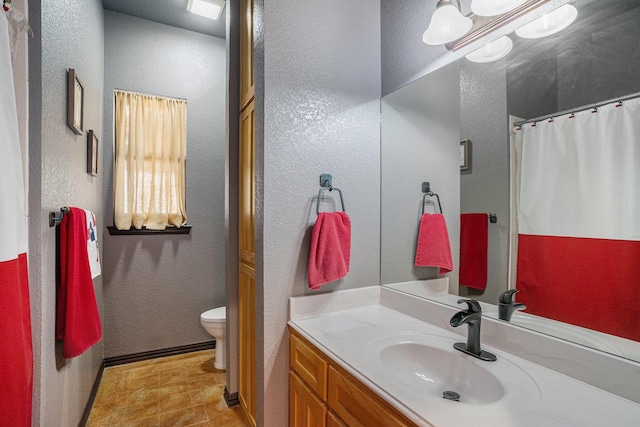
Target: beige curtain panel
151	148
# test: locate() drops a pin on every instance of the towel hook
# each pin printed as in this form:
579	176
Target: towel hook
325	184
56	217
426	189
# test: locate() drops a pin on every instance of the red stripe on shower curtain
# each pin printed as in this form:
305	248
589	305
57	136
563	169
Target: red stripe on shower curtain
570	279
16	355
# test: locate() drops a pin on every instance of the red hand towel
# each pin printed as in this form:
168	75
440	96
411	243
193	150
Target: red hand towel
434	249
77	316
330	248
473	250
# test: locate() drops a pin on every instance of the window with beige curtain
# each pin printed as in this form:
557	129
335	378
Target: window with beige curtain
150	158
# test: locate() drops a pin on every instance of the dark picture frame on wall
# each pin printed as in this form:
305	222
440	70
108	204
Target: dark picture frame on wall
92	153
465	157
75	102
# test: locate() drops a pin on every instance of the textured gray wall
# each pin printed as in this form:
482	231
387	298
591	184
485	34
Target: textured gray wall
156	287
485	188
420	139
67	35
317	111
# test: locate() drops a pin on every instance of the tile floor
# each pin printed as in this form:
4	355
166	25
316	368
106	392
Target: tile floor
182	390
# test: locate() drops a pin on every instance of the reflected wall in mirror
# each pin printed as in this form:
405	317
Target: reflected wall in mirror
595	59
421	122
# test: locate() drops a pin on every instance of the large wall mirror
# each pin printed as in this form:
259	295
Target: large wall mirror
595	59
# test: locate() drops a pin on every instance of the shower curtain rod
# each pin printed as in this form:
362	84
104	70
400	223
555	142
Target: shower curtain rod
148	94
576	110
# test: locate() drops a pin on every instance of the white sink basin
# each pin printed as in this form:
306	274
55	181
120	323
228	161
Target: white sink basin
428	365
434	370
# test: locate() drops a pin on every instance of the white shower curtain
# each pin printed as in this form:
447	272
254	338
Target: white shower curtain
16	355
578	213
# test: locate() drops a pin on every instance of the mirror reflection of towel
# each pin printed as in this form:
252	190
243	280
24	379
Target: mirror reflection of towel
434	249
473	250
330	248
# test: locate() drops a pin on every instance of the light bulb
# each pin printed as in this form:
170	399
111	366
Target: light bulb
208	8
549	23
447	24
492	51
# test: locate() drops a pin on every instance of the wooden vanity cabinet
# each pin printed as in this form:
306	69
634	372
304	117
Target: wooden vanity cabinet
322	394
305	407
307	384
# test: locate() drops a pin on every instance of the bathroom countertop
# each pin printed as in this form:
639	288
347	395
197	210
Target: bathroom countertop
346	335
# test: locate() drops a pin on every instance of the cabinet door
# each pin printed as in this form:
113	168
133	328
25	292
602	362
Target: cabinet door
247	186
246	343
358	406
309	364
305	408
334	421
246	284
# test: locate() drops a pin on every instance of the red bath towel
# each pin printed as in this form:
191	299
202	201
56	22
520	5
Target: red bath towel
330	248
77	316
434	249
473	250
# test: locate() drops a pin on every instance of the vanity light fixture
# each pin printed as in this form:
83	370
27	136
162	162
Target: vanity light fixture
494	7
549	23
492	51
208	8
447	24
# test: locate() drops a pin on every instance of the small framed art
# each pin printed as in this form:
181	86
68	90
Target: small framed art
75	102
92	153
465	155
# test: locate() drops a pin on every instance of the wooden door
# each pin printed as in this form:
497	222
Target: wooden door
246	222
246	291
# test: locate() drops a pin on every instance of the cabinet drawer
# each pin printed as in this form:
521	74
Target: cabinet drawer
309	364
305	408
357	406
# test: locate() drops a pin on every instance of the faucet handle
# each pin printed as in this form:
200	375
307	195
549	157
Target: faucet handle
473	305
507	296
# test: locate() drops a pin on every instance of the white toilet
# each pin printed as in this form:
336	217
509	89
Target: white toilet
215	323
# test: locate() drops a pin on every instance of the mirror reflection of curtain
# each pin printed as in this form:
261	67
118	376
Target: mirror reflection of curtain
578	208
151	147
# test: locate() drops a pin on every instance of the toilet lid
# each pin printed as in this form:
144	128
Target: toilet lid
216	314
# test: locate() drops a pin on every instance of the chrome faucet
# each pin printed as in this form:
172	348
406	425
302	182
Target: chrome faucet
506	306
472	317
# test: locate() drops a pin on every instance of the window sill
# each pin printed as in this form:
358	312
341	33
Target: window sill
185	229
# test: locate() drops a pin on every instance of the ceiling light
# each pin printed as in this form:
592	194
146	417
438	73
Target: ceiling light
492	51
494	7
207	8
549	23
447	24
